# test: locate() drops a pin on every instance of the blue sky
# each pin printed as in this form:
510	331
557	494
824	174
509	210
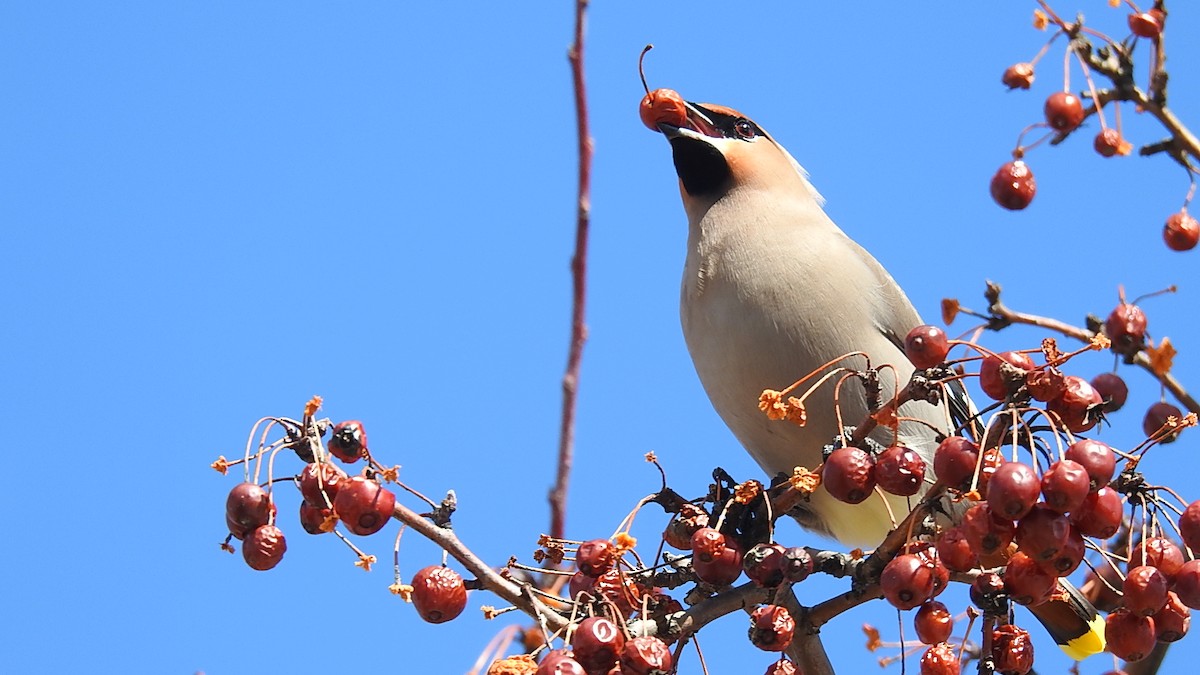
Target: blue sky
214	211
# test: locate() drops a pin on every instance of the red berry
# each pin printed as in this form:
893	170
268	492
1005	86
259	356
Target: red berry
1126	327
1171	623
722	570
1064	111
1160	553
560	662
954	550
248	506
933	622
1078	407
621	591
764	564
1045	384
317	477
987	592
926	346
987	533
1156	418
663	106
646	655
313	517
1112	389
349	441
771	628
1129	636
928	554
364	505
1013	186
707	544
1013	490
940	660
1069	555
1012	649
1026	582
685	523
1145	590
782	667
907	581
1181	232
1146	24
1109	143
900	471
1189	526
1018	76
849	475
954	462
993	459
1065	485
1042	533
264	547
598	644
1187	583
1096	458
595	557
438	593
1100	514
1001	374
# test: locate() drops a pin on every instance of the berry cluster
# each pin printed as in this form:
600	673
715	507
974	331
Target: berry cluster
1013	186
329	496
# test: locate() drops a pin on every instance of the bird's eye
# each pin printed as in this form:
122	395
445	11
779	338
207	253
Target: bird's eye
744	129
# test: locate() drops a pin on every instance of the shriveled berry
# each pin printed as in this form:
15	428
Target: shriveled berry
1187	584
248	506
900	471
1172	622
940	659
1013	185
1045	384
934	622
1065	485
1042	532
560	662
955	551
987	533
771	628
1145	590
349	441
1096	458
620	590
849	475
764	564
597	644
1110	143
595	557
1100	514
646	655
1157	417
1018	76
1189	526
907	581
1001	374
1181	232
782	667
317	477
363	505
1012	649
926	346
264	547
1158	552
1064	111
1078	407
707	544
439	594
1026	582
954	462
1129	636
722	570
1112	389
313	517
987	592
1013	490
1146	24
797	564
685	523
1126	328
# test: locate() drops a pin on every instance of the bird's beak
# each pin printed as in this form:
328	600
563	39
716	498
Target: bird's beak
697	125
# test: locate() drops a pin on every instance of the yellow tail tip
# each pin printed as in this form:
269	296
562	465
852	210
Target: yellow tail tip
1089	644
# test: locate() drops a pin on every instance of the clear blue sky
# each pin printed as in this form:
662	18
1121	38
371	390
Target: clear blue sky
212	211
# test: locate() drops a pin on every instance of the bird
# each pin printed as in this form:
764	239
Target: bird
772	290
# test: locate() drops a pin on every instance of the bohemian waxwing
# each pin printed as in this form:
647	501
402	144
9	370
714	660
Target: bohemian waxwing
772	290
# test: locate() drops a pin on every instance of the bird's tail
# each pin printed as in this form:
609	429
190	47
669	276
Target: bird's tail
1072	621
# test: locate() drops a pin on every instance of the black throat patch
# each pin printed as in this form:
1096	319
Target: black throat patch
701	167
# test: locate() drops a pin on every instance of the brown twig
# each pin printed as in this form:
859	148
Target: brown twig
570	382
